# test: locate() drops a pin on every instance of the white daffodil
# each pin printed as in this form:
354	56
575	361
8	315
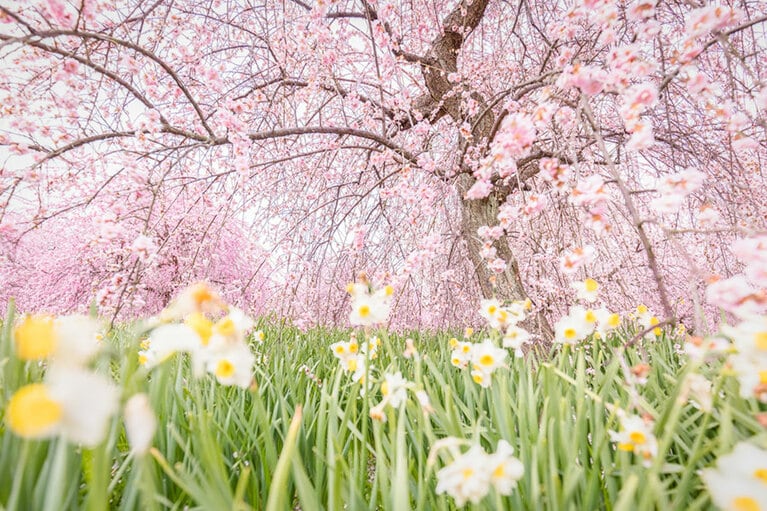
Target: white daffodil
71	340
140	423
72	402
739	480
606	321
752	375
197	298
487	356
516	337
394	389
505	469
467	478
233	366
461	354
572	329
369	307
587	290
636	436
698	388
749	337
482	378
167	340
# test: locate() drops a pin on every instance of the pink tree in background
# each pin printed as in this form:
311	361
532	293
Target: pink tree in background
455	149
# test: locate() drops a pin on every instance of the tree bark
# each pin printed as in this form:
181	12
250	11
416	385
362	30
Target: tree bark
444	98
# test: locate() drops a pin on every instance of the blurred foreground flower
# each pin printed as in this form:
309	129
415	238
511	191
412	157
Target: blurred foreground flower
73	402
471	475
140	423
739	481
71	340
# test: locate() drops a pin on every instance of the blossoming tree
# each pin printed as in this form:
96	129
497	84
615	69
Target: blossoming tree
451	148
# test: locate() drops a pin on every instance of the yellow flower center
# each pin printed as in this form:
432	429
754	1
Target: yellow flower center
590	316
350	287
142	359
528	304
486	360
35	338
626	446
456	361
745	504
224	369
468	332
760	339
477	377
388	290
499	471
642	309
465	348
491	310
654	320
453	342
31	412
201	325
761	474
763	377
225	327
591	285
353	347
364	311
637	437
340	349
385	388
351	365
614	320
658	331
569	333
201	294
467	473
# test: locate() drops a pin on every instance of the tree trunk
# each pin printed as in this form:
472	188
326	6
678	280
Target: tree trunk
506	285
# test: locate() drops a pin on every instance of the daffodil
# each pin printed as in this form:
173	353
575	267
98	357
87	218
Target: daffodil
739	480
394	389
587	290
72	402
140	423
232	365
71	340
505	469
636	436
467	478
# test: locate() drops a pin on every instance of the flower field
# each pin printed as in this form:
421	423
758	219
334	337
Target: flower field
624	420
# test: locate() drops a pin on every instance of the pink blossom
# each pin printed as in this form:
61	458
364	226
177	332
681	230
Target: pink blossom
479	190
642	138
738	296
640	10
576	258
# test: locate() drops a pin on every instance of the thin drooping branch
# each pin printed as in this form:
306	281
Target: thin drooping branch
652	261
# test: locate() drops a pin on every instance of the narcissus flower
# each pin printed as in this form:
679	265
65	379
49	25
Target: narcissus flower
197	298
72	402
394	389
739	480
515	337
505	469
140	423
467	478
369	307
72	340
636	436
471	475
588	290
233	365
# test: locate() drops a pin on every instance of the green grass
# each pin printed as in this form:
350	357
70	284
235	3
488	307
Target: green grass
289	442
